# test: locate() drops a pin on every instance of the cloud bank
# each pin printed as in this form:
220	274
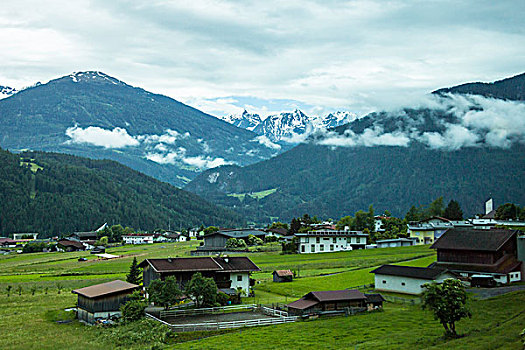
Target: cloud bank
93	135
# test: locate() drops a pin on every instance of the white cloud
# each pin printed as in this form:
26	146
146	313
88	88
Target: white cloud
116	138
265	141
454	138
205	162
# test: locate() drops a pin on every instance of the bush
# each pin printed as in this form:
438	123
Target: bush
133	310
145	331
222	298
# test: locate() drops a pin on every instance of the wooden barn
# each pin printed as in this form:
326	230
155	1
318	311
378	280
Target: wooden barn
471	252
326	301
70	245
102	300
282	276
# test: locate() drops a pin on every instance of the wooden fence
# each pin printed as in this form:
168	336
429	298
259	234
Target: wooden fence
394	299
207	310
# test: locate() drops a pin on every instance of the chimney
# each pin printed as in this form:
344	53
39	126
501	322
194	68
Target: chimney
489	206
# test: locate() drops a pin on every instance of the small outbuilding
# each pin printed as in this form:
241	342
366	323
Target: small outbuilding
102	300
282	276
327	302
374	301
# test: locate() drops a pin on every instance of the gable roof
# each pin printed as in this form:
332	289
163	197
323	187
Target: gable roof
68	243
374	298
425	273
231	264
472	239
283	273
239	233
302	304
107	288
335	295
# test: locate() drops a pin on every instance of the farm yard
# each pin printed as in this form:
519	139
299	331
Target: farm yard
33	315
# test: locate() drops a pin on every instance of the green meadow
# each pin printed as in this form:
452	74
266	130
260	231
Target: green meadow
35	319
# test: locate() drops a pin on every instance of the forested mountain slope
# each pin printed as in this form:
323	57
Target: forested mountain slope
55	194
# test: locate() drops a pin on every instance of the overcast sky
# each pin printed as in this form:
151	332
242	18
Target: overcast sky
266	56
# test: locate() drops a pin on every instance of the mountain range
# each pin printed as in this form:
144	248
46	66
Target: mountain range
457	143
94	115
56	194
285	126
6	91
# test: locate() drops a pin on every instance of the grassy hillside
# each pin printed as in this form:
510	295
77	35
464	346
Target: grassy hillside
56	194
30	320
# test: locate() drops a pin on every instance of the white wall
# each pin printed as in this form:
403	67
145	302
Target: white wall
325	244
244	284
395	283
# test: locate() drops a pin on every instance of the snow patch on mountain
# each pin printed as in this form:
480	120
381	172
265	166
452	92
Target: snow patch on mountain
94	76
6	91
286	126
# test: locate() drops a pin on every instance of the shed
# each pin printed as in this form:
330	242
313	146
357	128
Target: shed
282	276
374	301
327	301
102	300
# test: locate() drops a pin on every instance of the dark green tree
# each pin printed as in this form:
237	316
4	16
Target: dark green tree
346	221
164	293
413	214
278	225
210	229
453	211
447	301
295	226
116	233
202	290
435	208
135	274
133	309
507	211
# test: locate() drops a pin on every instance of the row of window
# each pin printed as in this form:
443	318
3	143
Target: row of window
402	283
334	239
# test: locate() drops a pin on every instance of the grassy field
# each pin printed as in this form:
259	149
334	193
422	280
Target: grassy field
30	321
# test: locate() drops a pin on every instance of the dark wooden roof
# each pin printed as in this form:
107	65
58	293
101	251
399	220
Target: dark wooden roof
425	273
68	243
472	239
240	233
335	295
231	264
107	288
302	304
374	298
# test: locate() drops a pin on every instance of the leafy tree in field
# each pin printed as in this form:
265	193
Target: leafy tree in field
116	233
135	275
361	221
344	222
103	241
295	225
435	208
453	211
252	240
133	310
210	229
202	290
413	214
507	211
448	303
278	224
164	293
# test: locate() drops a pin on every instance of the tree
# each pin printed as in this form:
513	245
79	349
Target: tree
361	221
453	211
435	208
210	229
278	224
346	221
413	214
202	290
164	293
507	211
133	310
135	275
448	303
295	225
252	240
103	241
116	233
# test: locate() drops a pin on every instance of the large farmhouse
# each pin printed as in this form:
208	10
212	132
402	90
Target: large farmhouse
228	272
330	241
480	252
407	279
216	242
102	300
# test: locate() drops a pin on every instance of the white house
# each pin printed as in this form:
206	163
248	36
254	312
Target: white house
397	242
407	279
138	238
330	241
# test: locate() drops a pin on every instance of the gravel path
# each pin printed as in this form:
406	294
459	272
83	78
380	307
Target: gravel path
485	293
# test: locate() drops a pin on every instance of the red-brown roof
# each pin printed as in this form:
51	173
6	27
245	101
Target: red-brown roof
283	273
68	243
230	264
107	288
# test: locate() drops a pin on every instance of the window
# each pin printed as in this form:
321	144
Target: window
306	240
331	247
302	249
335	240
239	278
384	282
402	283
322	248
317	240
358	240
312	248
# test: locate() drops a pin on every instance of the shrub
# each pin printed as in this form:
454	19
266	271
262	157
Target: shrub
145	331
133	310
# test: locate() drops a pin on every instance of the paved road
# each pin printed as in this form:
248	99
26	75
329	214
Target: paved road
485	293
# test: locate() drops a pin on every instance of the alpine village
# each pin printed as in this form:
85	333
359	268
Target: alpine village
263	212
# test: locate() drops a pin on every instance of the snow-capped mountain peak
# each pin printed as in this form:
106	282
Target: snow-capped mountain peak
6	91
94	76
245	120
